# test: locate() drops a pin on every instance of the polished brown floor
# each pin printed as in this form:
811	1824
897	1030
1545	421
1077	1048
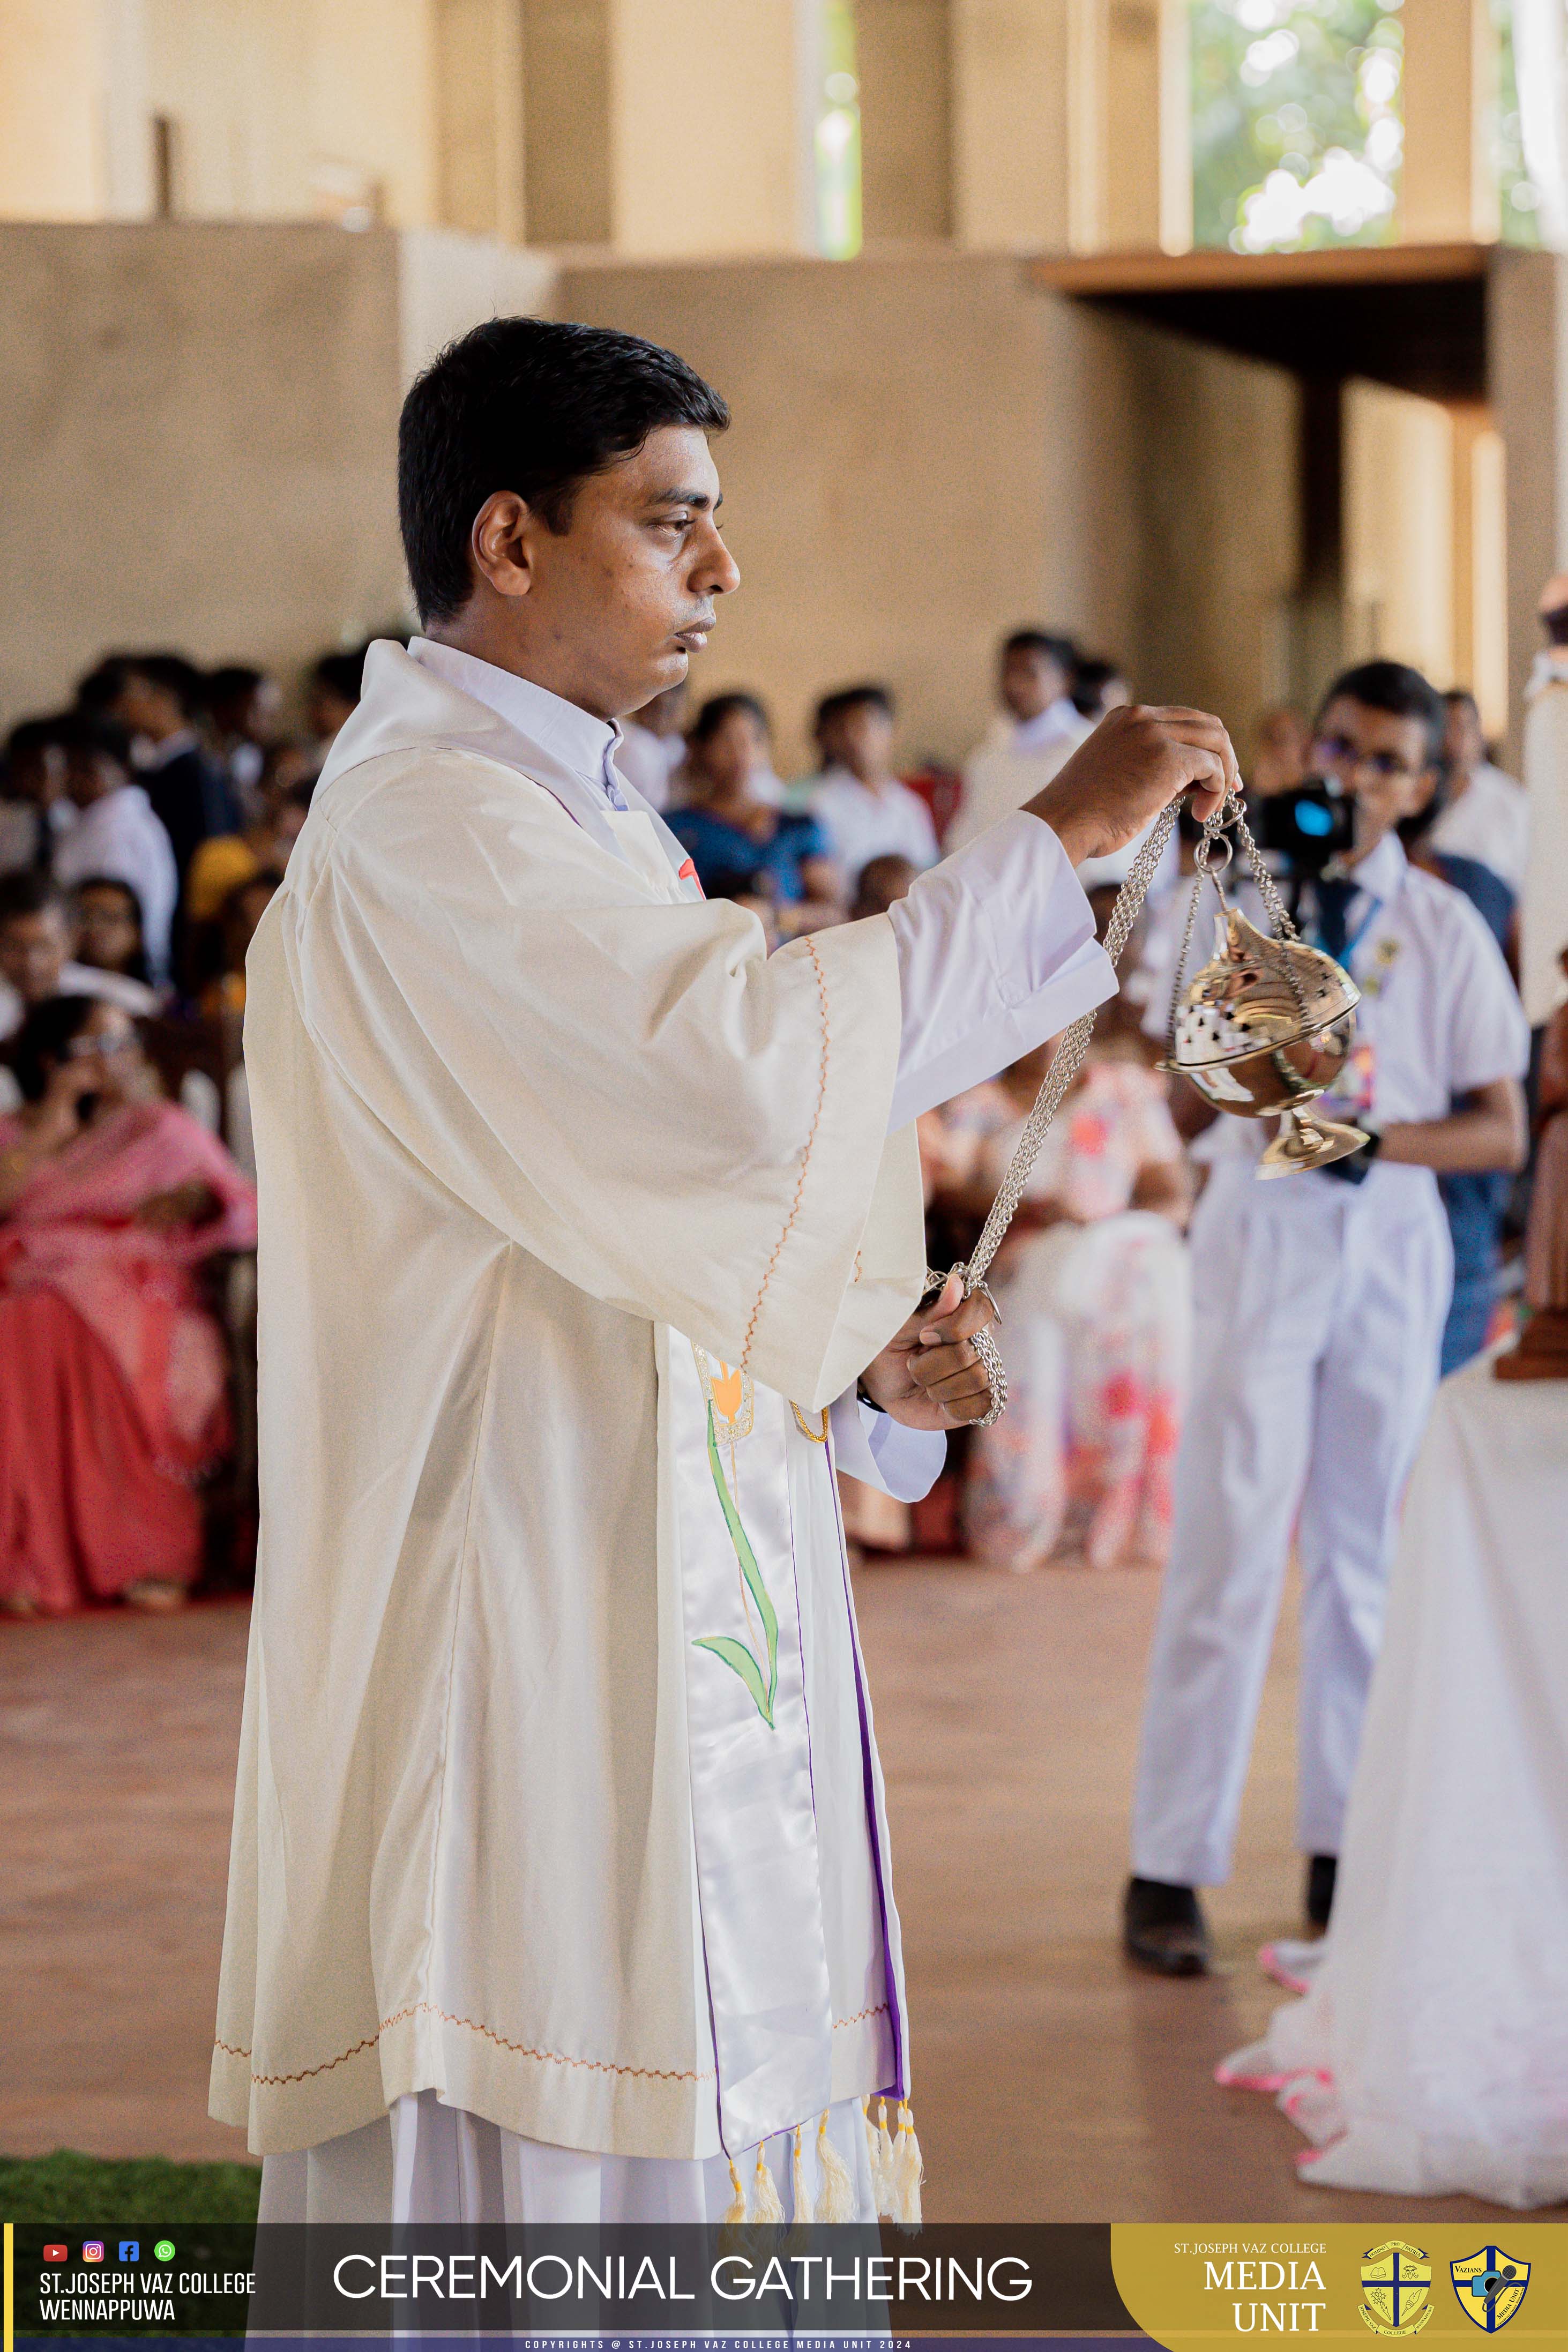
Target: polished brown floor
1052	2083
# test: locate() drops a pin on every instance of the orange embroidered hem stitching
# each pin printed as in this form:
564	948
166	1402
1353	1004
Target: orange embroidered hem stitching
520	2049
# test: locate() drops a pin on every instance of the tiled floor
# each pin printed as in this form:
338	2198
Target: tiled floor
1052	2083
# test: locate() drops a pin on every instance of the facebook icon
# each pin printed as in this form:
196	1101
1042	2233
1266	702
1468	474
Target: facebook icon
130	2250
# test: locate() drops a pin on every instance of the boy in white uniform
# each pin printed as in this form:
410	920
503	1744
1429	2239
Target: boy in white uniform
1319	1308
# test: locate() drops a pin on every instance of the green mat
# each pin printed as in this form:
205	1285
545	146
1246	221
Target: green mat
91	2190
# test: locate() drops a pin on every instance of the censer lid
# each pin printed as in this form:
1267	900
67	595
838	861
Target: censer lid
1255	993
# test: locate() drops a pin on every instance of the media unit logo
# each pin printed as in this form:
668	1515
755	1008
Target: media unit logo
1490	2286
1395	2289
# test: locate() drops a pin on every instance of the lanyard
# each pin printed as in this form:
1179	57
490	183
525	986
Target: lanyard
1356	937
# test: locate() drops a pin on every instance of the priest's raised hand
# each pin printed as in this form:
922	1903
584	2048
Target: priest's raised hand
930	1376
1137	758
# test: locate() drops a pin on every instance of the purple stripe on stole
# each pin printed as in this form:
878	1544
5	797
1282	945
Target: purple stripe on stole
896	2089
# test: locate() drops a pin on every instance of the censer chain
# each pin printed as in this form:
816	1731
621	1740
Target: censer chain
1070	1055
1067	1060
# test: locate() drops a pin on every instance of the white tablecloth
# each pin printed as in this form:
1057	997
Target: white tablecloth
1429	2055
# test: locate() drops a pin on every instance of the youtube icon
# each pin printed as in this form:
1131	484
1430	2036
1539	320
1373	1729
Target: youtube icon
56	2253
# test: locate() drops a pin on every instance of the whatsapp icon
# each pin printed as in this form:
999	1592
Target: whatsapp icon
164	2251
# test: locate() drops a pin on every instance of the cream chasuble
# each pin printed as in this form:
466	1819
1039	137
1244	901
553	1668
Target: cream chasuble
558	1793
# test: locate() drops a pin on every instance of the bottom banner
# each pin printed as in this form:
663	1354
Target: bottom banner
654	2289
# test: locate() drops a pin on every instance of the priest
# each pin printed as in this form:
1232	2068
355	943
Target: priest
591	1241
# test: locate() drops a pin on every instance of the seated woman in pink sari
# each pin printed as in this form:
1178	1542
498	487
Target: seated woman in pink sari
1091	1282
113	1394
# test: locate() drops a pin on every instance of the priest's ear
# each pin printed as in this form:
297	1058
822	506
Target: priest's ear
499	542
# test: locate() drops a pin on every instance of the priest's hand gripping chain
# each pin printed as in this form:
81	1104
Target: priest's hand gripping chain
1069	1058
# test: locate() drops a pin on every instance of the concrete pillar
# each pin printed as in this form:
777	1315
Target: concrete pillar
76	140
1527	376
904	67
1010	124
1129	140
1448	187
1399	587
566	109
479	116
1481	562
373	101
710	126
1070	125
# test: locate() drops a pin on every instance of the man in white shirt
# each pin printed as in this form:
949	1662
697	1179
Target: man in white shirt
653	745
1319	1308
1036	733
1485	814
116	833
560	1874
861	806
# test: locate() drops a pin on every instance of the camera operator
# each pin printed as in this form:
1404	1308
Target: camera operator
1321	1304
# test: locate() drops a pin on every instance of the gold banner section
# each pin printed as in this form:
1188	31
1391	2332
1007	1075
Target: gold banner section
1345	2282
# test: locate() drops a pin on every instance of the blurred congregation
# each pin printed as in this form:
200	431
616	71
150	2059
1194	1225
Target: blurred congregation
143	831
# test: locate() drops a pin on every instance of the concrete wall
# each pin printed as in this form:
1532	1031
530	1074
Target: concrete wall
927	452
200	421
198	434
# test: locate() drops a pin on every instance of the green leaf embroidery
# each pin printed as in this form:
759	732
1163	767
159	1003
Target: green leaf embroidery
764	1691
735	1653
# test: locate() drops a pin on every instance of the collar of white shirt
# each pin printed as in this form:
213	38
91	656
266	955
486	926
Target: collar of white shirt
1382	870
575	737
1057	718
835	777
125	801
151	758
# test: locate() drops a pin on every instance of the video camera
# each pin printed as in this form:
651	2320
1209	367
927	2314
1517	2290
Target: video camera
1306	826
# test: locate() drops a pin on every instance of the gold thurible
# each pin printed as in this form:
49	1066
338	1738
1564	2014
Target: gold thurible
1263	1029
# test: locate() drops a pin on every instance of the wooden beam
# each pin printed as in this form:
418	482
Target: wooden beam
1218	271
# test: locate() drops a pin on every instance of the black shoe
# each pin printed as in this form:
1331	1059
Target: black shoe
1322	1871
1163	1928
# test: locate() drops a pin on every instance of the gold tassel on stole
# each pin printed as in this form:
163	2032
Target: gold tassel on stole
766	2205
836	2197
735	2211
908	2169
800	2195
886	2186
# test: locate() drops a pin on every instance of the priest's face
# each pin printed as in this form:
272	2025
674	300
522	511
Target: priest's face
608	612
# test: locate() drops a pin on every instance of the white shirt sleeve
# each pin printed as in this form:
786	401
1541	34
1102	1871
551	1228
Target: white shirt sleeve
880	1451
996	953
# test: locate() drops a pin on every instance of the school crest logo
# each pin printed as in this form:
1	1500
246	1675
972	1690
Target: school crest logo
1395	2289
1490	2286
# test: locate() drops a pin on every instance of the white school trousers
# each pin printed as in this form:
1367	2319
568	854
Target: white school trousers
1318	1312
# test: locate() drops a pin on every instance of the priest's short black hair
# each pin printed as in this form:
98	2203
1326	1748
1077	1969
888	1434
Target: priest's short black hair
1399	691
530	405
